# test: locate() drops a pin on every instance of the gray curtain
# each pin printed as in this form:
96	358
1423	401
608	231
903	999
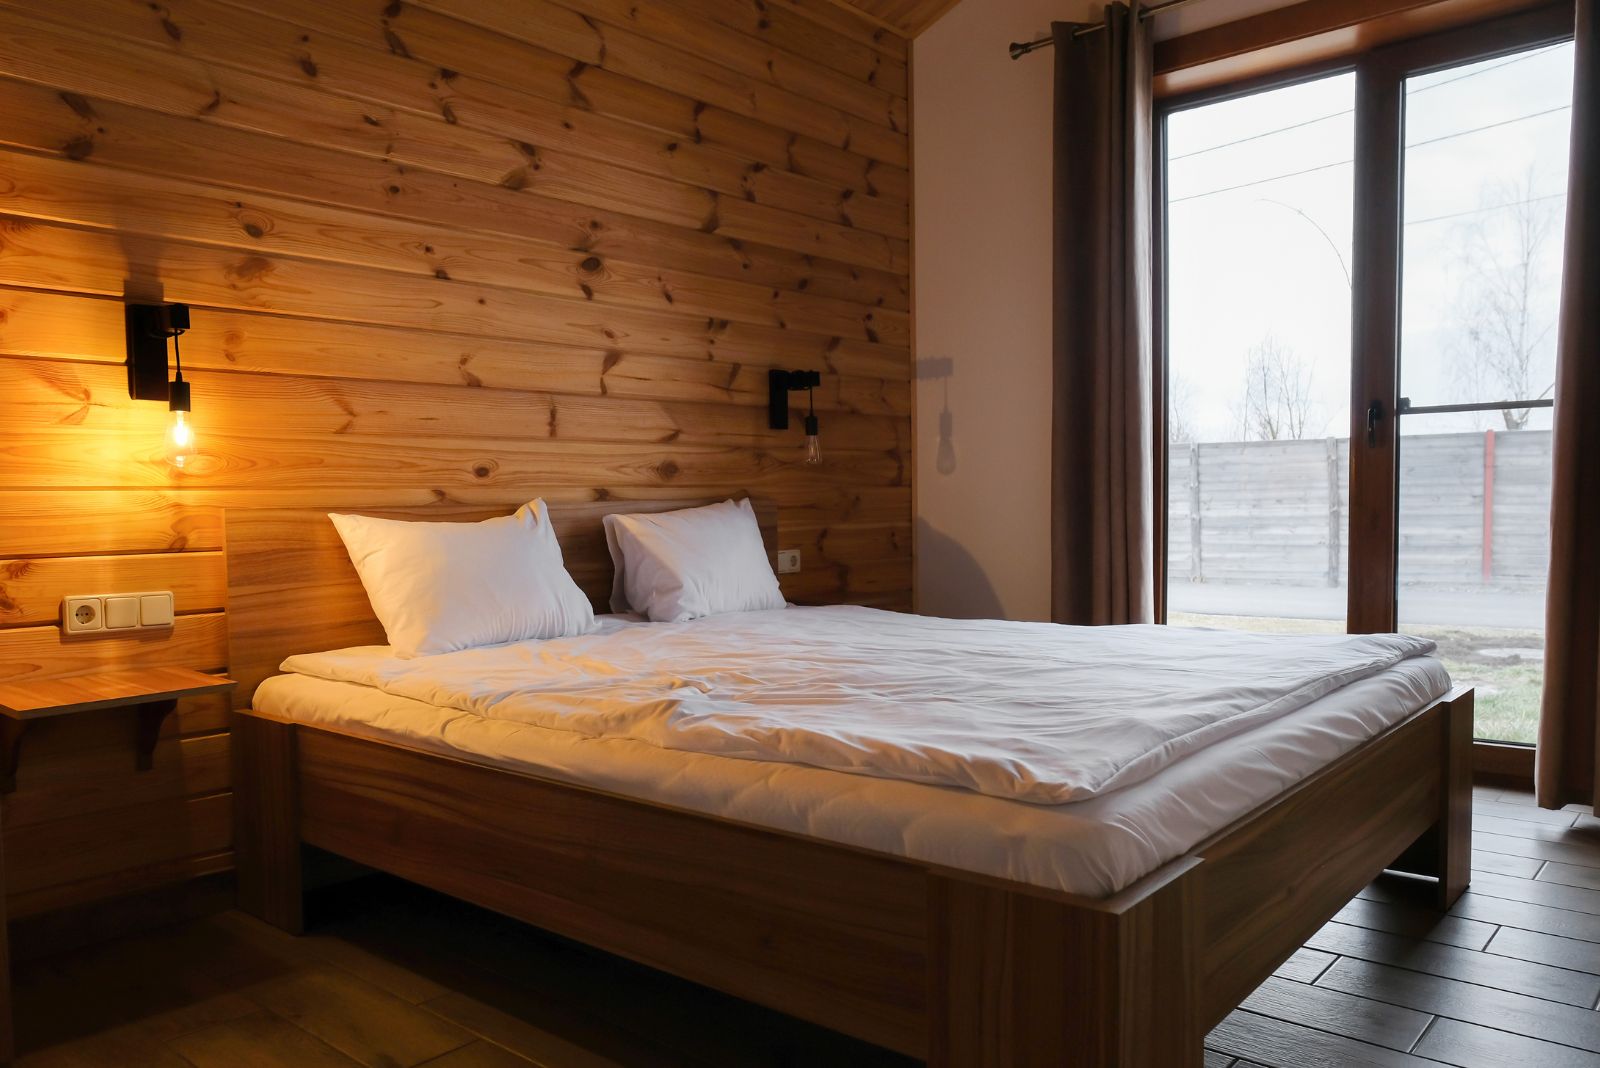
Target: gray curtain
1101	489
1569	726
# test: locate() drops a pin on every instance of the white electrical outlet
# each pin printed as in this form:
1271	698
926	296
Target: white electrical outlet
80	615
116	613
788	561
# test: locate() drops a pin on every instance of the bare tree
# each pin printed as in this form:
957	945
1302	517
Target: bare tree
1506	306
1181	428
1277	403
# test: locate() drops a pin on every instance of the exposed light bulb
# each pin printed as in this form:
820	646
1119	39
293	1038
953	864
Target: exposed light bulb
813	445
180	439
180	431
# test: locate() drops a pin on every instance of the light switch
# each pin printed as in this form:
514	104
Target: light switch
155	610
122	613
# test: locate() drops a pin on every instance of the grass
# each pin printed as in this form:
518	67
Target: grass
1505	666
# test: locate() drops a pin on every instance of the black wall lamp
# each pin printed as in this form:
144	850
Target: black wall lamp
779	385
148	328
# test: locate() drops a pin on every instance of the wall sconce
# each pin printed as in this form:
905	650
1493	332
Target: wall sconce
779	385
148	328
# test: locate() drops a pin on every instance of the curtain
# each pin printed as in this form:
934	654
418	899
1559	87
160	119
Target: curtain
1102	567
1569	726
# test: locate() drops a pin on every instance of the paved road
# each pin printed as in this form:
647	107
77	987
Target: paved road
1519	610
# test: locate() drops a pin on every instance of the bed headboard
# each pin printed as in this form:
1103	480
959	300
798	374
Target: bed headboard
292	588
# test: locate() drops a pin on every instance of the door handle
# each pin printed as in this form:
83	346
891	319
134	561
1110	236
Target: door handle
1374	416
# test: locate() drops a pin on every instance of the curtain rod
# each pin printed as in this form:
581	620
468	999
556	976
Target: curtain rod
1022	48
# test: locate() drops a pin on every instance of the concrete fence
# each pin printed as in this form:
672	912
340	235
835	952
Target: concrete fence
1474	510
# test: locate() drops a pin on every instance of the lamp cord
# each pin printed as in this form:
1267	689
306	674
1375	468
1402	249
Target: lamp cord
177	356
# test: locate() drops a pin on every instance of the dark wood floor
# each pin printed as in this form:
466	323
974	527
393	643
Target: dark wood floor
394	976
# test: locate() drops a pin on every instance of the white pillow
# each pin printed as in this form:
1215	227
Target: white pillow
675	566
438	587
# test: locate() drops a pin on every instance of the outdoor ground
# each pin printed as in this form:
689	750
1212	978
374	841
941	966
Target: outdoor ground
1504	662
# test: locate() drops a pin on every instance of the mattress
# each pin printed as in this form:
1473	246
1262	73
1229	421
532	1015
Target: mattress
1092	847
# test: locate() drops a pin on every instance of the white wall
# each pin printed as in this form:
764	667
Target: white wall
983	292
982	173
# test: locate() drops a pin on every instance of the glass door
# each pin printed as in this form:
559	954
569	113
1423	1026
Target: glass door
1483	204
1360	282
1258	196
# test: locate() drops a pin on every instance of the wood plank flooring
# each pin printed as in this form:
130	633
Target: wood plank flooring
393	976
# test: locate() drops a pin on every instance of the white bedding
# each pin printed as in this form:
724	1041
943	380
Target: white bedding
1029	711
1092	847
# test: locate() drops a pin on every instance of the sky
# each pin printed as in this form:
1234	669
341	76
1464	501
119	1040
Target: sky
1259	236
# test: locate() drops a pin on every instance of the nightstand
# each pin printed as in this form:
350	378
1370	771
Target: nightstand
152	694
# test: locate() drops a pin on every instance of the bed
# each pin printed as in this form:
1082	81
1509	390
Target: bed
949	924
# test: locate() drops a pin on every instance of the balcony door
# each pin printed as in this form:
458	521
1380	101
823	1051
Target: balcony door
1361	279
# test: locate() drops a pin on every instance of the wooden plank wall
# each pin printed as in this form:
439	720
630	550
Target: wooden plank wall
83	824
447	251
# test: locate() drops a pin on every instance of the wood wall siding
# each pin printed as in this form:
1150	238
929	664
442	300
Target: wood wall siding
83	824
453	251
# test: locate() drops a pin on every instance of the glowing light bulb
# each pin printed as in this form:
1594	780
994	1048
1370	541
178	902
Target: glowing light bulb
813	445
180	439
180	431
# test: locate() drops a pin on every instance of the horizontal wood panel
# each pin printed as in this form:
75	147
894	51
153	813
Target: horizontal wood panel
82	127
197	641
468	50
106	843
878	135
178	876
261	460
571	140
49	256
31	589
674	25
114	521
799	505
853	21
69	399
38	323
87	194
56	57
55	783
794	33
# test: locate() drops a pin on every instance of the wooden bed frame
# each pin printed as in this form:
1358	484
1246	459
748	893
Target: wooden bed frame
958	968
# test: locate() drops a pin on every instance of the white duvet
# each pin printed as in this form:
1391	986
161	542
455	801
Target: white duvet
1025	711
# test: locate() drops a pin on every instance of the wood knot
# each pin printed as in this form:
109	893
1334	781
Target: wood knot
592	264
254	224
80	107
249	269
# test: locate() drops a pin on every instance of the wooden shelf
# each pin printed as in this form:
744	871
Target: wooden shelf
152	692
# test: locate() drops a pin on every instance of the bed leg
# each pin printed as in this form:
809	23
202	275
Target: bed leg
266	821
1455	816
1024	981
1445	850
